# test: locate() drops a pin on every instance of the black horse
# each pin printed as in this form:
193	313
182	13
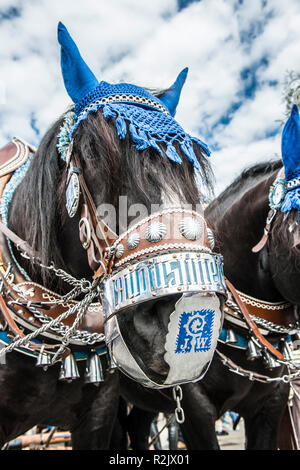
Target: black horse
37	213
238	218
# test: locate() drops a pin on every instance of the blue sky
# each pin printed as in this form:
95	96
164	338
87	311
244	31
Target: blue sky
237	51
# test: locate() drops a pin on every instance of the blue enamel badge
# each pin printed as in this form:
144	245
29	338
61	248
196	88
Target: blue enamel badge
195	331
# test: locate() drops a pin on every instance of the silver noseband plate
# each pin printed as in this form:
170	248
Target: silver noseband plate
161	276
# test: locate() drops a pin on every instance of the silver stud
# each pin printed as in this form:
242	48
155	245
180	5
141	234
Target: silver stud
155	232
119	250
133	241
190	228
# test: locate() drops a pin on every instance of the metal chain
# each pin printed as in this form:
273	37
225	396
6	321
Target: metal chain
287	378
80	308
177	396
81	286
268	325
79	317
60	328
233	367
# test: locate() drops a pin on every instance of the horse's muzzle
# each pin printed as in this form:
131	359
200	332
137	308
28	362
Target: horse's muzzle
194	326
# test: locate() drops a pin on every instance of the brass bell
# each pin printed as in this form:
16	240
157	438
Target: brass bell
230	337
69	370
253	351
269	361
94	372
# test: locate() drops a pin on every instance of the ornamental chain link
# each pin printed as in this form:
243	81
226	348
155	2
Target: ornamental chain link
268	325
233	367
80	308
177	396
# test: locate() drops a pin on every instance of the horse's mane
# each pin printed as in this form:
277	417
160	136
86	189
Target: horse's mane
251	174
248	178
37	211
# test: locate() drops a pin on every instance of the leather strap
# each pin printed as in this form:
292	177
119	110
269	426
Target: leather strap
251	324
267	229
20	244
101	235
14	155
15	330
259	246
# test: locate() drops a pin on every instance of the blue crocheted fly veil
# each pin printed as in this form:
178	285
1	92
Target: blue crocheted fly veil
290	149
148	119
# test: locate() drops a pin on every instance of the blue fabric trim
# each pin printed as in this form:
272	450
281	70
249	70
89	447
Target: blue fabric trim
106	90
291	200
148	128
6	199
294	187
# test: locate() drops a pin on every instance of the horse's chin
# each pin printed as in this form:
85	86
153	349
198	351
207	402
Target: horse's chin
152	335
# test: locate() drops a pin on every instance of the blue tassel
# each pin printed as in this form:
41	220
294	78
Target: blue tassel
172	154
142	146
187	148
203	145
140	139
291	200
108	112
121	127
153	144
133	133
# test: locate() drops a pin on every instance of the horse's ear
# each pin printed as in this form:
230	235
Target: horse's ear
290	144
171	97
78	77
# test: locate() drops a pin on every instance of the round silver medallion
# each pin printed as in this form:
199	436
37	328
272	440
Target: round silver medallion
73	194
133	241
155	232
190	228
119	250
277	193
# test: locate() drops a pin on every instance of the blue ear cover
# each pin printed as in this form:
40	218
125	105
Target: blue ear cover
78	77
171	97
290	145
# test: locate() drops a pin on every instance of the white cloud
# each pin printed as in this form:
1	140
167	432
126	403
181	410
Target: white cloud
148	43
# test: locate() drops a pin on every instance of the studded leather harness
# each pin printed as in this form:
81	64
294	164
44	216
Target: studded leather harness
105	251
157	234
20	300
